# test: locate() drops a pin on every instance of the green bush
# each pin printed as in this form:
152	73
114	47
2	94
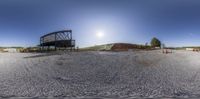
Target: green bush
155	42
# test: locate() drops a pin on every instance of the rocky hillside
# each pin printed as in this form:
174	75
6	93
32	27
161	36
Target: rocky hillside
116	47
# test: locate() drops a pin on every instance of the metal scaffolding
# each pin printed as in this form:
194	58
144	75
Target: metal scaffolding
58	40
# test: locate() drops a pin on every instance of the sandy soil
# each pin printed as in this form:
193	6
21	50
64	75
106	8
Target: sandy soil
100	74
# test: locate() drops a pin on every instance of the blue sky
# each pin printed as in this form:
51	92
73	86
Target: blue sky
174	22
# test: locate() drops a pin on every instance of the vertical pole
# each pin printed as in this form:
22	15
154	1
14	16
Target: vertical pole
55	41
71	40
40	44
71	34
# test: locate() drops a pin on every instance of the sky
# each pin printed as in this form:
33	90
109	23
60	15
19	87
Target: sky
174	22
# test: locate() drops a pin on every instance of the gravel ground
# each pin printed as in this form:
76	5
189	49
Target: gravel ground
100	74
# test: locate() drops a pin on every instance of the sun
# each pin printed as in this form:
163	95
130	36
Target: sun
100	34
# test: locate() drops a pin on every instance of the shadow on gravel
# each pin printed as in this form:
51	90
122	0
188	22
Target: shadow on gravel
42	55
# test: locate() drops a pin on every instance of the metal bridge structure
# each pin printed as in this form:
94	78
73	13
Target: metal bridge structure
57	40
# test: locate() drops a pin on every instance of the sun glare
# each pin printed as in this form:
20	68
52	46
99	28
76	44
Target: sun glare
100	34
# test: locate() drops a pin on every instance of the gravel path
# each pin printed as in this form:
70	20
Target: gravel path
100	74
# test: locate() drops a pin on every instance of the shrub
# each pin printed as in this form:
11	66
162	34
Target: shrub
155	42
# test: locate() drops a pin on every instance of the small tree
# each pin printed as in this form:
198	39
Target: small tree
155	42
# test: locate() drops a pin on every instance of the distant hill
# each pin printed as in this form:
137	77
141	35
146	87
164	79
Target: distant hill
116	47
99	47
12	47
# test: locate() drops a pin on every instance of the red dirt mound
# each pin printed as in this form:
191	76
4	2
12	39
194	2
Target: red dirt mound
126	46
